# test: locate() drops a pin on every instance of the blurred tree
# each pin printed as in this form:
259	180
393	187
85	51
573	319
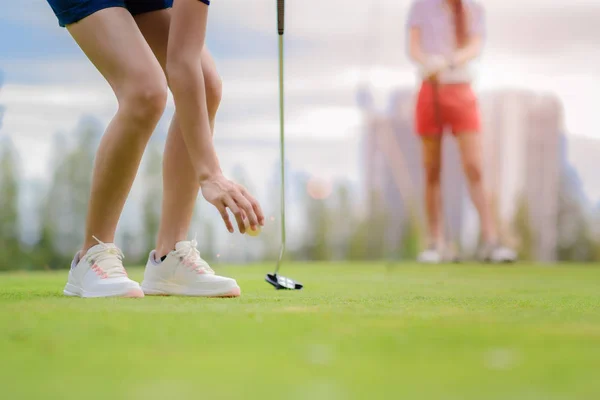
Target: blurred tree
318	219
377	227
128	242
270	236
524	231
367	241
343	221
358	241
575	241
45	253
203	229
596	250
595	234
209	245
10	243
317	244
410	244
65	208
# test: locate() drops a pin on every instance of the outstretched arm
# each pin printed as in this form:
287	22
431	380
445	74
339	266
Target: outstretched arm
186	79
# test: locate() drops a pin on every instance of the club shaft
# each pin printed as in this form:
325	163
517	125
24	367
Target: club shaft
280	16
282	153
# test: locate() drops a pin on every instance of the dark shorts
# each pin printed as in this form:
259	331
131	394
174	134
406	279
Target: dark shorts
71	11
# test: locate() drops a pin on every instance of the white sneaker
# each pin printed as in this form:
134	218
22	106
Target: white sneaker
185	273
435	255
100	273
497	254
431	256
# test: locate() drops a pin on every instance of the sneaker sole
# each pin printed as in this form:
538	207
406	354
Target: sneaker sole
235	292
75	291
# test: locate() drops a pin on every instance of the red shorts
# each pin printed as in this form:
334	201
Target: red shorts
454	106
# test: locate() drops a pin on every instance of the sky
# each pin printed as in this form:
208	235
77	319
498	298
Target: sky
331	49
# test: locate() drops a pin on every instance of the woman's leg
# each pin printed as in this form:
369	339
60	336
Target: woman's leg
114	44
180	183
432	163
471	150
182	271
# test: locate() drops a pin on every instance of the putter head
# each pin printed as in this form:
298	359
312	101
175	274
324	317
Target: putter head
281	282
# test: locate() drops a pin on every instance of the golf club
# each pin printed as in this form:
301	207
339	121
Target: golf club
281	282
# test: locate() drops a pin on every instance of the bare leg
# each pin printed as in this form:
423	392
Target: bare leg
470	145
432	160
180	182
114	44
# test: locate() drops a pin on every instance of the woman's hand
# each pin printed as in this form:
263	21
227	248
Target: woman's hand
225	194
434	65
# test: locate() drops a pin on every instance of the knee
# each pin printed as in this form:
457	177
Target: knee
432	175
145	99
473	172
181	72
214	91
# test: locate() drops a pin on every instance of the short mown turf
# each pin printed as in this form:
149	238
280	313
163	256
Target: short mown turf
368	331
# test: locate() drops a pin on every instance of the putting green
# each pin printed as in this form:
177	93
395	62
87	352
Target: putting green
364	331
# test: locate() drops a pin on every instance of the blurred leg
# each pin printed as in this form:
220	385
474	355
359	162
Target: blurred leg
180	182
471	149
114	44
432	161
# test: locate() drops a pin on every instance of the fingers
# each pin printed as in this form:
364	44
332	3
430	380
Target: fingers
255	206
247	208
231	204
225	215
243	205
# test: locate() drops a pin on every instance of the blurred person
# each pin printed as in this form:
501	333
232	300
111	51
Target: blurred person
139	45
445	36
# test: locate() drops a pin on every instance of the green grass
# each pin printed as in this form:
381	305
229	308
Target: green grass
356	332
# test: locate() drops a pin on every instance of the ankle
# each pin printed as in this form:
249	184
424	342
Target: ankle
86	247
490	240
84	250
94	240
164	247
159	256
161	252
437	243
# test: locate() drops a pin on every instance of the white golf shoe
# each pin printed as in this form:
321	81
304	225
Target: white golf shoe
184	273
430	256
437	255
497	254
100	273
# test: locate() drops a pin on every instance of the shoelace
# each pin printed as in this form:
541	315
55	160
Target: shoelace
190	257
107	253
